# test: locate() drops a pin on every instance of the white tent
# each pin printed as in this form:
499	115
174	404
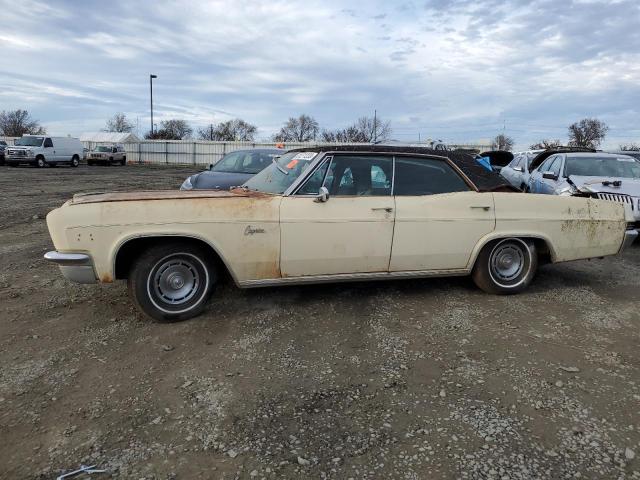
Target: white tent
109	137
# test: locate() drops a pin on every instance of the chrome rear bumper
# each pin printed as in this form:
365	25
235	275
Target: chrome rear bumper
77	267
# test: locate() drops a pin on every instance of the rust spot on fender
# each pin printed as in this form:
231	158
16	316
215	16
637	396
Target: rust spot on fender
106	278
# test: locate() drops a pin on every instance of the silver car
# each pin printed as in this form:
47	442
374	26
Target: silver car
517	172
107	155
600	175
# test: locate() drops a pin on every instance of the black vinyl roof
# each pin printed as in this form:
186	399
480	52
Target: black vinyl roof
482	178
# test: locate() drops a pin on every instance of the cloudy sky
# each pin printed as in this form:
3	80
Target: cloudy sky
456	70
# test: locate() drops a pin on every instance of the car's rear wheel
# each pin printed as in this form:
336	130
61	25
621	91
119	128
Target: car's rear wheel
123	162
506	266
172	282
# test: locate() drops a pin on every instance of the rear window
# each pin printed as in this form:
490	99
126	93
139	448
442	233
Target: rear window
419	176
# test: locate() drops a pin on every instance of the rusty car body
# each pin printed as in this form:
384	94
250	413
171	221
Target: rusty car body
328	214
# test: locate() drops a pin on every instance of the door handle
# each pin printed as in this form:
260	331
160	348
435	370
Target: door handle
486	208
386	209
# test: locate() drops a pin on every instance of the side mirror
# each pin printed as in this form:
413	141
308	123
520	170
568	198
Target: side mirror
549	176
323	195
518	169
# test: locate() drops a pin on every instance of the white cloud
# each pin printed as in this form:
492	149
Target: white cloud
452	69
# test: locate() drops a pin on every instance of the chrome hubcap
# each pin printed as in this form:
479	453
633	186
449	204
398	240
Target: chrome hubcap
176	281
507	262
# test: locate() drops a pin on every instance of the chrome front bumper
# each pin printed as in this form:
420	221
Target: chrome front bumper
629	237
77	267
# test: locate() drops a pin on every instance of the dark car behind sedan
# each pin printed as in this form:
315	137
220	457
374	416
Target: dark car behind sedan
3	146
232	170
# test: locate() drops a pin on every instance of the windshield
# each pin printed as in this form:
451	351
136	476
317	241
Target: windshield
273	179
603	167
244	162
29	141
103	149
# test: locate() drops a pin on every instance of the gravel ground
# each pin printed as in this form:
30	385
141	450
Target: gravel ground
419	379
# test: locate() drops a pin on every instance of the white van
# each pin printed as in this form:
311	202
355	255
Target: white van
41	150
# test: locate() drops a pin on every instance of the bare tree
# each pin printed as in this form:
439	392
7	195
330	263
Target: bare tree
630	147
236	130
119	123
302	129
171	130
16	123
588	132
364	130
545	144
502	142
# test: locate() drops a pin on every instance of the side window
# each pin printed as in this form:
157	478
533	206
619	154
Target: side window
423	176
314	182
553	165
516	162
556	166
546	164
48	143
364	175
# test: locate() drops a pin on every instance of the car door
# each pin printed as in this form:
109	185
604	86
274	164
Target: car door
439	217
50	153
548	185
352	231
509	173
535	179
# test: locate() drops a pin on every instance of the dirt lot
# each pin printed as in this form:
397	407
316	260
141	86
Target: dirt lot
415	379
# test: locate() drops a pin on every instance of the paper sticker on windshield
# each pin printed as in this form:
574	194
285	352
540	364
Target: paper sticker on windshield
292	164
304	155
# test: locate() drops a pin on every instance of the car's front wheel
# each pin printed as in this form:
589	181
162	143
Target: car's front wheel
506	266
75	161
172	282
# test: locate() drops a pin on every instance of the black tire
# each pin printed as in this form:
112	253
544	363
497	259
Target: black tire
40	162
172	282
52	164
90	163
124	161
75	161
506	266
109	162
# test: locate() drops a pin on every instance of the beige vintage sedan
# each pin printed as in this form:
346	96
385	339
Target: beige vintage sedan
329	214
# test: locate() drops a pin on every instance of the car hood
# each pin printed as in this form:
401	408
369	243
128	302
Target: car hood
219	180
101	197
628	186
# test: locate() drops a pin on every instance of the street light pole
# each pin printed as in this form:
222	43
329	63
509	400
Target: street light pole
151	77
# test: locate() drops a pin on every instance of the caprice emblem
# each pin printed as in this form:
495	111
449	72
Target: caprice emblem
250	230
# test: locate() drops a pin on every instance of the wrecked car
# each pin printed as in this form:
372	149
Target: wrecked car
599	175
329	214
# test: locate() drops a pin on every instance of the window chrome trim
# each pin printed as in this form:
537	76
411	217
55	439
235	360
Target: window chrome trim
331	153
325	158
320	156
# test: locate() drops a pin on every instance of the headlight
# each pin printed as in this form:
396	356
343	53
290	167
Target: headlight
29	151
187	185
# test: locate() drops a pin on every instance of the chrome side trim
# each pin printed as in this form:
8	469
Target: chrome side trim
68	259
629	237
352	277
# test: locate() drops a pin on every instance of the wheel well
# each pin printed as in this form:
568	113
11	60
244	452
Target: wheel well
542	247
39	156
130	250
75	157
